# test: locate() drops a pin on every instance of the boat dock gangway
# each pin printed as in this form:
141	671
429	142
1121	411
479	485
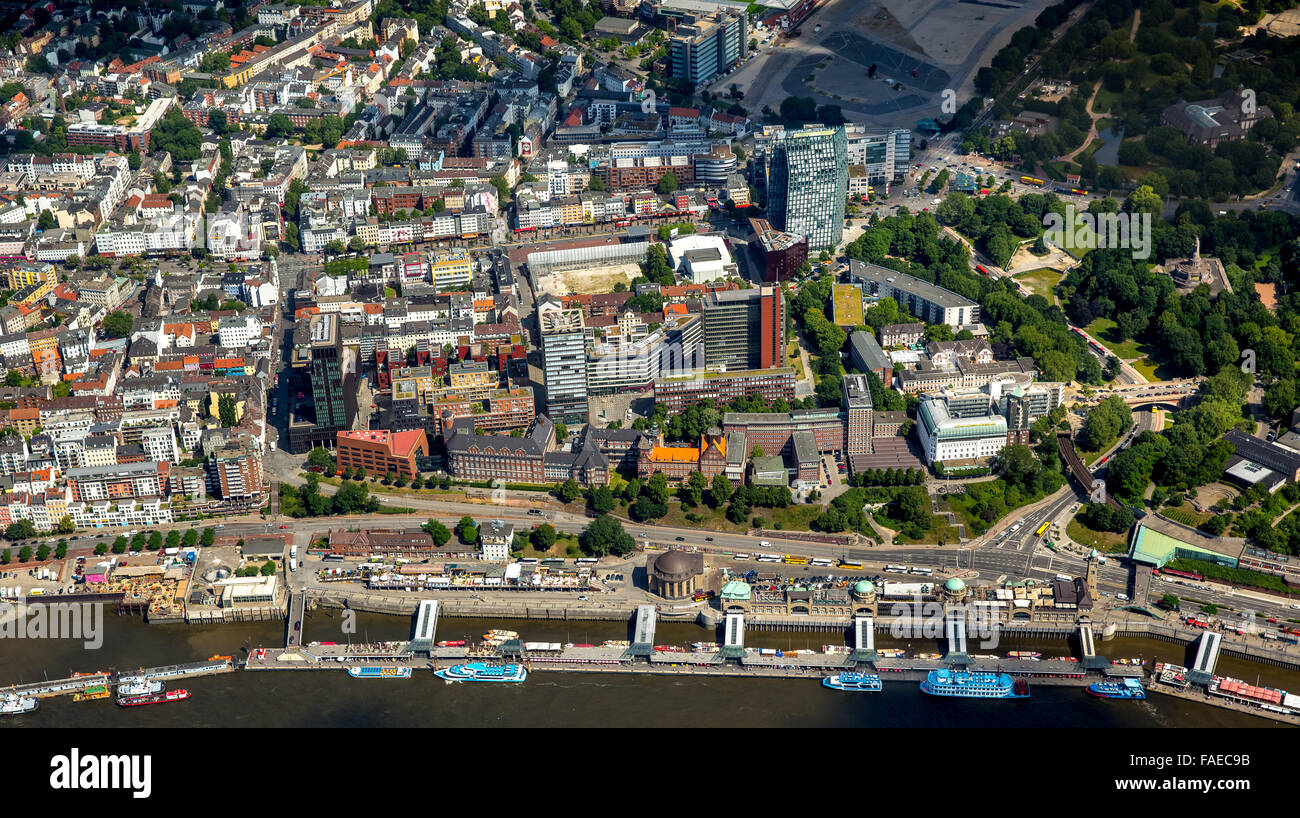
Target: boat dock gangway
1088	649
864	639
954	631
426	628
1207	658
293	625
733	639
643	632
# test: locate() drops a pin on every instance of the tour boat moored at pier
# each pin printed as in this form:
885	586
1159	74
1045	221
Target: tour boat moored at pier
482	672
858	682
974	685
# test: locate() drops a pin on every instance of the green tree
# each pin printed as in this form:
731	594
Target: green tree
543	536
667	183
604	536
321	458
602	500
227	410
568	491
438	531
118	324
719	490
209	537
467	531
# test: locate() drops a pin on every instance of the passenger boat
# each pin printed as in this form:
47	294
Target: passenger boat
1122	689
929	656
499	634
836	649
670	649
378	672
92	693
616	643
704	646
974	685
858	682
582	646
482	672
452	643
13	705
177	695
891	653
1129	662
138	687
1025	654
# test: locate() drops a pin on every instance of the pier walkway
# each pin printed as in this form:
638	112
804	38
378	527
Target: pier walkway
426	628
293	625
1207	658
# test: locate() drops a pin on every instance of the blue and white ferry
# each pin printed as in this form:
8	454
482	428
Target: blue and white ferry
379	672
862	682
482	672
1122	689
974	685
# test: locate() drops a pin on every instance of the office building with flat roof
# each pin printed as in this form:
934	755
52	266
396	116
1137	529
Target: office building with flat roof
708	46
807	182
744	329
564	362
327	404
927	301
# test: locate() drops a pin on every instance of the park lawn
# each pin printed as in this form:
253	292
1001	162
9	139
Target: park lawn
1126	350
1102	103
1105	541
566	545
1186	514
940	532
1042	282
794	517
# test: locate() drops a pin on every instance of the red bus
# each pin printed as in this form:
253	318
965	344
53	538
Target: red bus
981	269
1185	574
525	229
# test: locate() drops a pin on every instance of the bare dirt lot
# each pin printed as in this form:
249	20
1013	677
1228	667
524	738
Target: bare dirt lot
588	279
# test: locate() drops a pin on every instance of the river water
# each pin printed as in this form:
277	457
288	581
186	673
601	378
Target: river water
564	699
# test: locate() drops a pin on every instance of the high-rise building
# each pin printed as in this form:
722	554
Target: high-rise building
326	407
701	50
237	471
744	329
807	183
857	408
884	154
564	362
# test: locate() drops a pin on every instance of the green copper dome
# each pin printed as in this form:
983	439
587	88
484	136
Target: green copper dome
863	587
954	585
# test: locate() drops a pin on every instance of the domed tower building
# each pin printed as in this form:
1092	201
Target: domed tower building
674	574
863	598
954	592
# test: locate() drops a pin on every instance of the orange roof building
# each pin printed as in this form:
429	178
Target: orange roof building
679	462
379	451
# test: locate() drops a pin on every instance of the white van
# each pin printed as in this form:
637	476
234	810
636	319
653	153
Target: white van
293	564
1122	597
765	544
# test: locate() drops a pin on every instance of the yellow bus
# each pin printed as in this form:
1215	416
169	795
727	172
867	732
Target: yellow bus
1042	529
852	565
795	560
1030	180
